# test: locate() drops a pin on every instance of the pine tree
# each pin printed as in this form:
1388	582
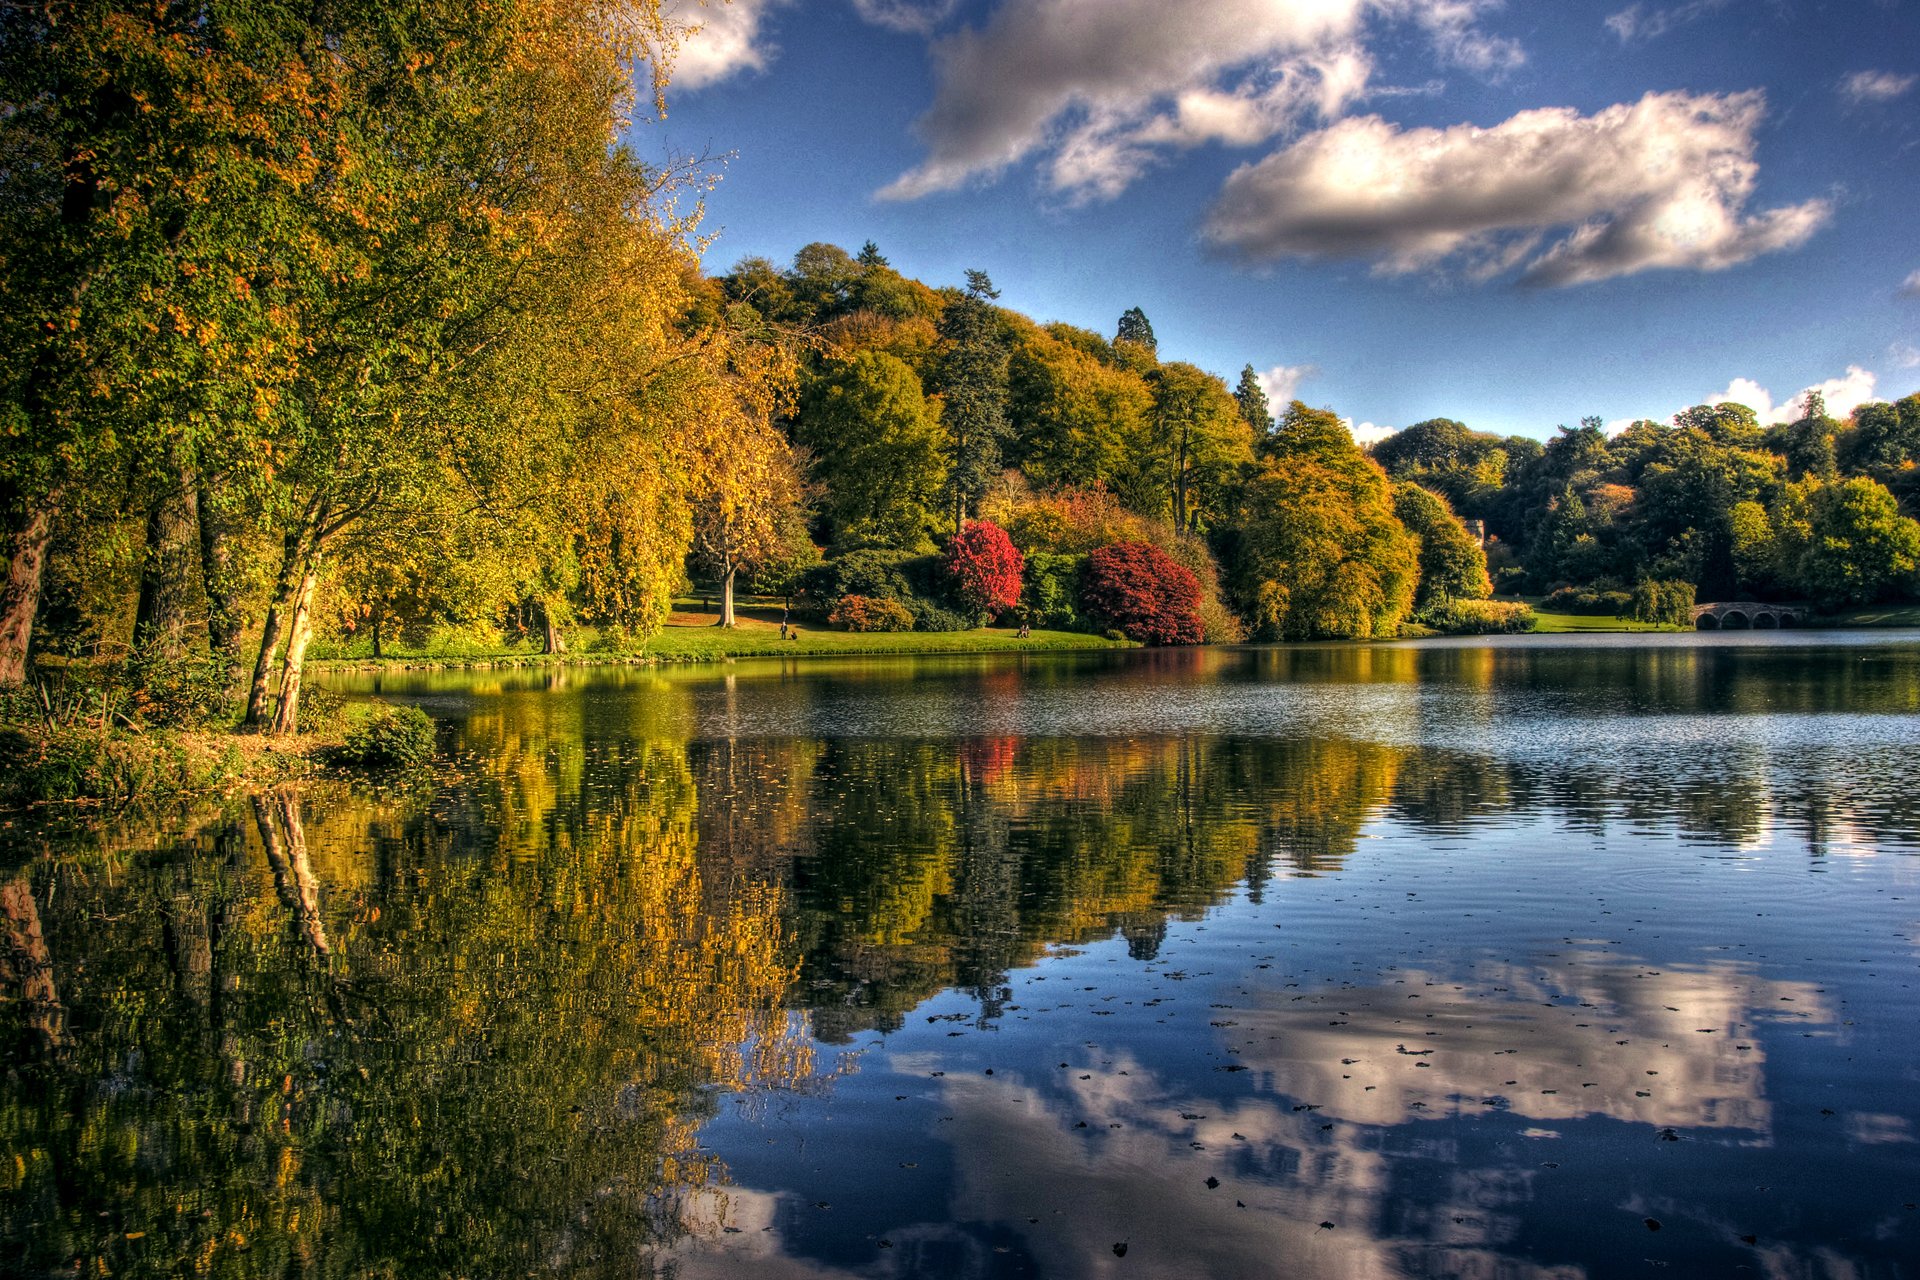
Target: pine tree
1254	409
973	389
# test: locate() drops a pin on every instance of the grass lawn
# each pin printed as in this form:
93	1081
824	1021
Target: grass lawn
691	636
1570	623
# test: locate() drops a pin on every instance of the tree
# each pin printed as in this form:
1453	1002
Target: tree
1074	416
1453	565
881	455
1134	327
1190	448
1135	588
1322	554
985	568
972	384
1251	396
750	478
1846	544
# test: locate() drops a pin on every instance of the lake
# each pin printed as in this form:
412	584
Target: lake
1557	957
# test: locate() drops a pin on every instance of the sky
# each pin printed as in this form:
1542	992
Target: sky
1513	214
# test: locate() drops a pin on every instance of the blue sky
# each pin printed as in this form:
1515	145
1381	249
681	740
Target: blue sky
1515	214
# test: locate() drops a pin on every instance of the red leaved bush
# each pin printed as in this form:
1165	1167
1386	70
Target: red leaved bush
986	567
1137	589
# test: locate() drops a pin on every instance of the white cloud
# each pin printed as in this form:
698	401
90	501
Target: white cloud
1843	395
1875	86
1102	87
1910	287
1458	40
914	17
1904	355
1637	22
1564	198
1282	384
719	39
1366	433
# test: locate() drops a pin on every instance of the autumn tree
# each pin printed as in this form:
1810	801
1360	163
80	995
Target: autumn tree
749	485
1322	553
1135	588
985	568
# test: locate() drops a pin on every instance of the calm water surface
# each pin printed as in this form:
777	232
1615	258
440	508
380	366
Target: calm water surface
1569	957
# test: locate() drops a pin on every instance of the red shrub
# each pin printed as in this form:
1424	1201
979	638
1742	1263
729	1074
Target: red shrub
868	613
1135	588
986	567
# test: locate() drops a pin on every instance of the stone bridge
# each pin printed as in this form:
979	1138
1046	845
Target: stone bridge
1744	615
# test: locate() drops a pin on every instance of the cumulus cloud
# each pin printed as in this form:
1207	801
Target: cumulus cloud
1105	86
1563	198
1638	22
912	17
1843	395
1282	383
719	40
1366	433
1875	86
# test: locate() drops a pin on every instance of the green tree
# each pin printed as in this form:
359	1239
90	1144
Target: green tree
972	383
1255	411
880	451
1134	327
1453	565
1322	553
1846	543
1074	414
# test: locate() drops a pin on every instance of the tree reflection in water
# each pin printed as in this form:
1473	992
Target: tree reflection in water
1345	930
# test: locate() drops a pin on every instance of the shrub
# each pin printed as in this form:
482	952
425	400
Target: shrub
984	568
876	575
868	613
389	737
181	691
928	616
1052	596
1670	602
1587	602
1480	617
1136	589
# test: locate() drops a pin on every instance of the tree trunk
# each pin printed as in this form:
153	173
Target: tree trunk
551	641
217	572
164	616
274	629
27	540
270	634
726	595
378	613
286	717
1180	482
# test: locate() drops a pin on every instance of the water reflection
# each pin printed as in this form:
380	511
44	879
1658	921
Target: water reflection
1484	955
